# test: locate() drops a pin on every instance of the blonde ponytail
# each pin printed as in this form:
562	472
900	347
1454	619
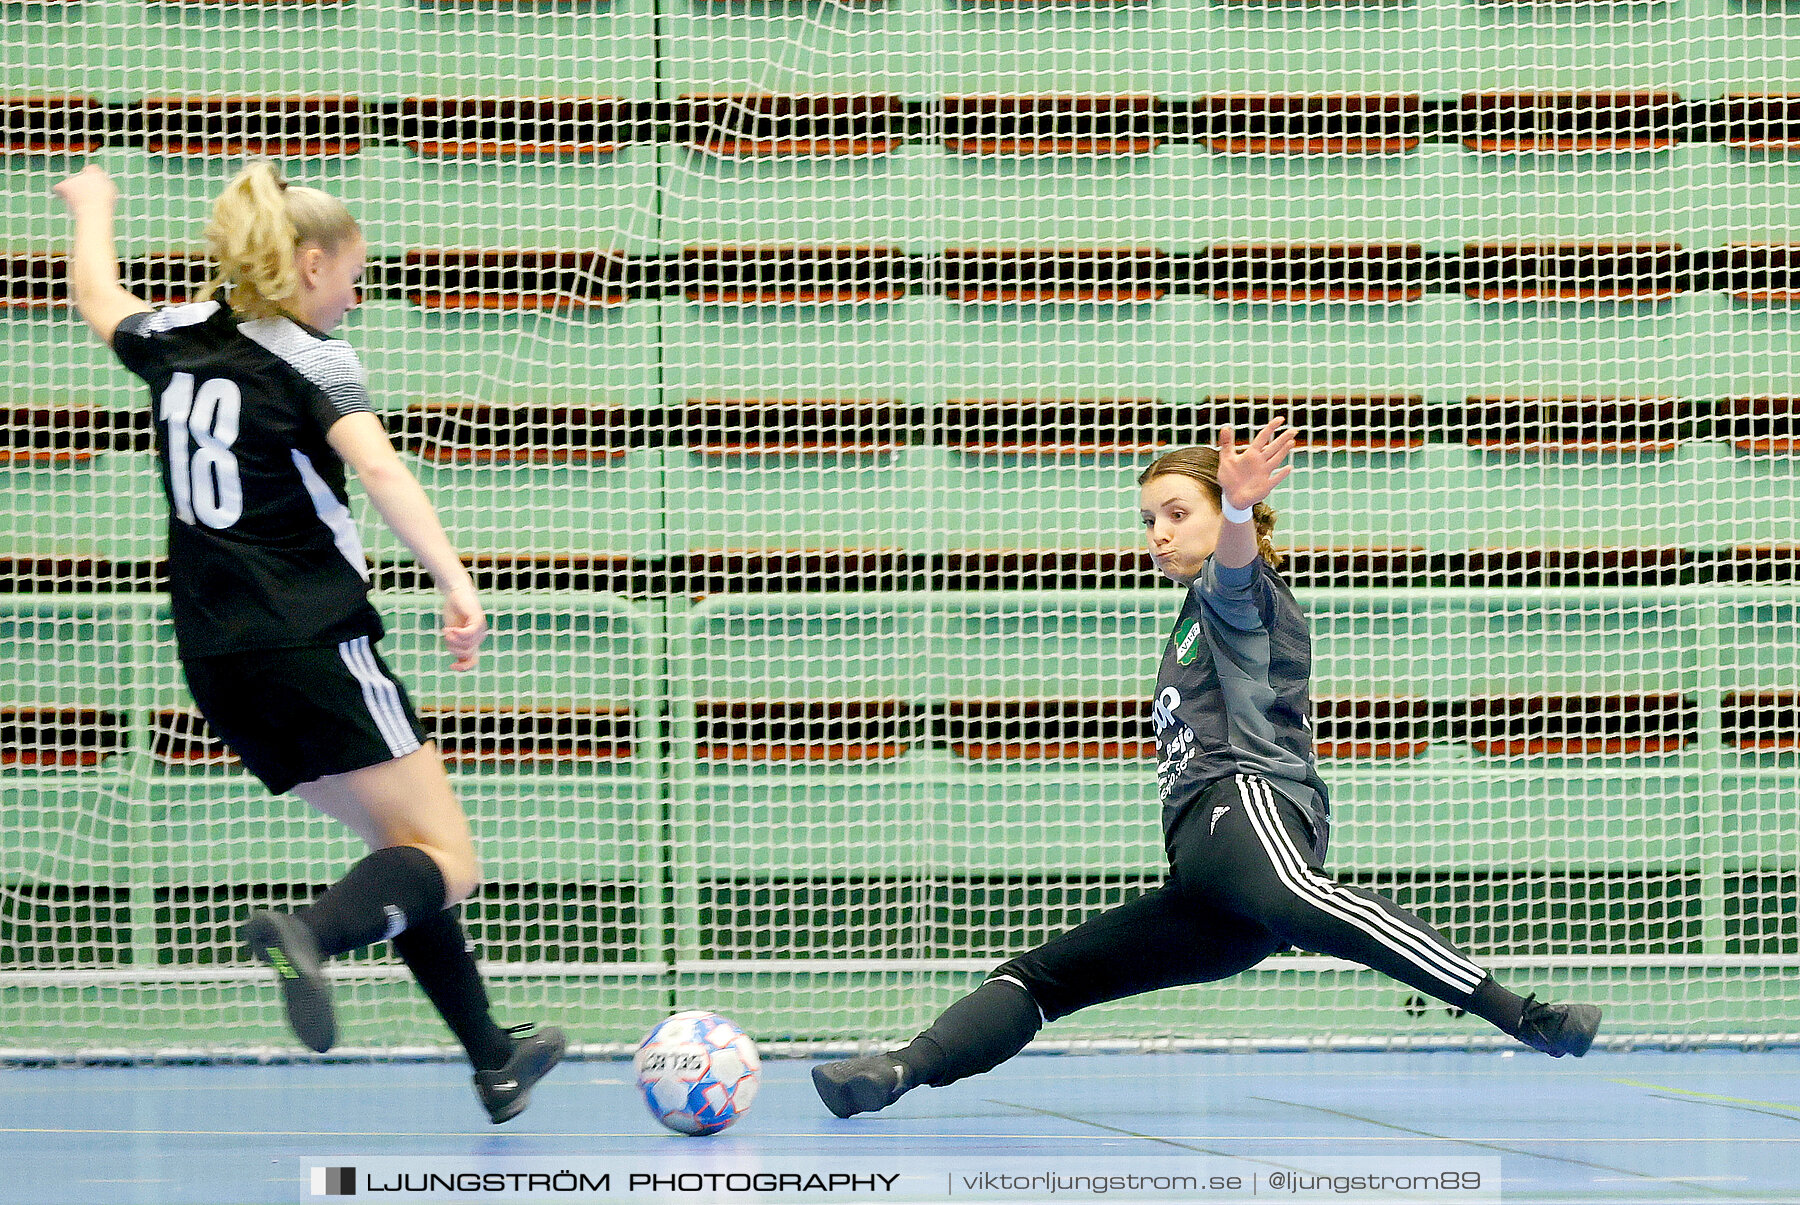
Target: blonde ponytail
1202	465
258	224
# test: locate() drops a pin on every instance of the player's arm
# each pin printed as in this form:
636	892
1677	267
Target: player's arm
93	260
1248	474
403	506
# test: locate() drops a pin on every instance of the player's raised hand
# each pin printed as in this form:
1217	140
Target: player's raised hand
1248	473
465	627
88	188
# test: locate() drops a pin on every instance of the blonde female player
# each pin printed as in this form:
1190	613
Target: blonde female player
1244	815
258	411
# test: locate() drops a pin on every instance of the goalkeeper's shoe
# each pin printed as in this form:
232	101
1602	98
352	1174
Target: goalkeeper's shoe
287	945
1558	1029
506	1092
860	1085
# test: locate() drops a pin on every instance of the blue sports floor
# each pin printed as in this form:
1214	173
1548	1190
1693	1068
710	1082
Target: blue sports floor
1646	1126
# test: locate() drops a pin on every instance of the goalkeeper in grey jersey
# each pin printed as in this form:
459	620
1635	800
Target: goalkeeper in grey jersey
1245	816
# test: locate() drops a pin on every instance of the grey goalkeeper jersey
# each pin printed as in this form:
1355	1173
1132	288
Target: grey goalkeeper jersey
1233	693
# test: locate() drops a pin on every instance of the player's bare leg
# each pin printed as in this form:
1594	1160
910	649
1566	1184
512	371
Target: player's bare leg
407	812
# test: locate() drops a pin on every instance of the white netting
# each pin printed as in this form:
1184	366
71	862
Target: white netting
784	369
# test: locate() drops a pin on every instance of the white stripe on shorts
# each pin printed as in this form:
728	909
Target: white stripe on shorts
1417	948
381	696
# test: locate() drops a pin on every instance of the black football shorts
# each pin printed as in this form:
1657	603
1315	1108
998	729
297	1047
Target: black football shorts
295	715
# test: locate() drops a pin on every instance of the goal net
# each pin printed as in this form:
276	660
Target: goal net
783	368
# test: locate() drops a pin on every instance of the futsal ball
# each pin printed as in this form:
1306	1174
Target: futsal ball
698	1072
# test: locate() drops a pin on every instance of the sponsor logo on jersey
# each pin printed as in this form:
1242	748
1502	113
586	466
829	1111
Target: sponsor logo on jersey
1162	714
1187	643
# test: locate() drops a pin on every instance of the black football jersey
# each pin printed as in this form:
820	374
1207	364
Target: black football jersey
263	552
1233	692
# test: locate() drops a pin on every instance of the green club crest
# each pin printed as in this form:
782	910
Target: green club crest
1187	642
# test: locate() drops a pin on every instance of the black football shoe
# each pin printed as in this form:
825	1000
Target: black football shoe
1559	1029
506	1092
284	942
860	1085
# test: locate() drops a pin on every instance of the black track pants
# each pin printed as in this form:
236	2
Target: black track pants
1245	881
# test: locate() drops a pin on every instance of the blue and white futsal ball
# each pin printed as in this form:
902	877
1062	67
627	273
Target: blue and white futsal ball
698	1072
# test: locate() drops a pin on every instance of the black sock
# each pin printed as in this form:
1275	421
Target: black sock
438	954
1498	1006
976	1034
382	895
